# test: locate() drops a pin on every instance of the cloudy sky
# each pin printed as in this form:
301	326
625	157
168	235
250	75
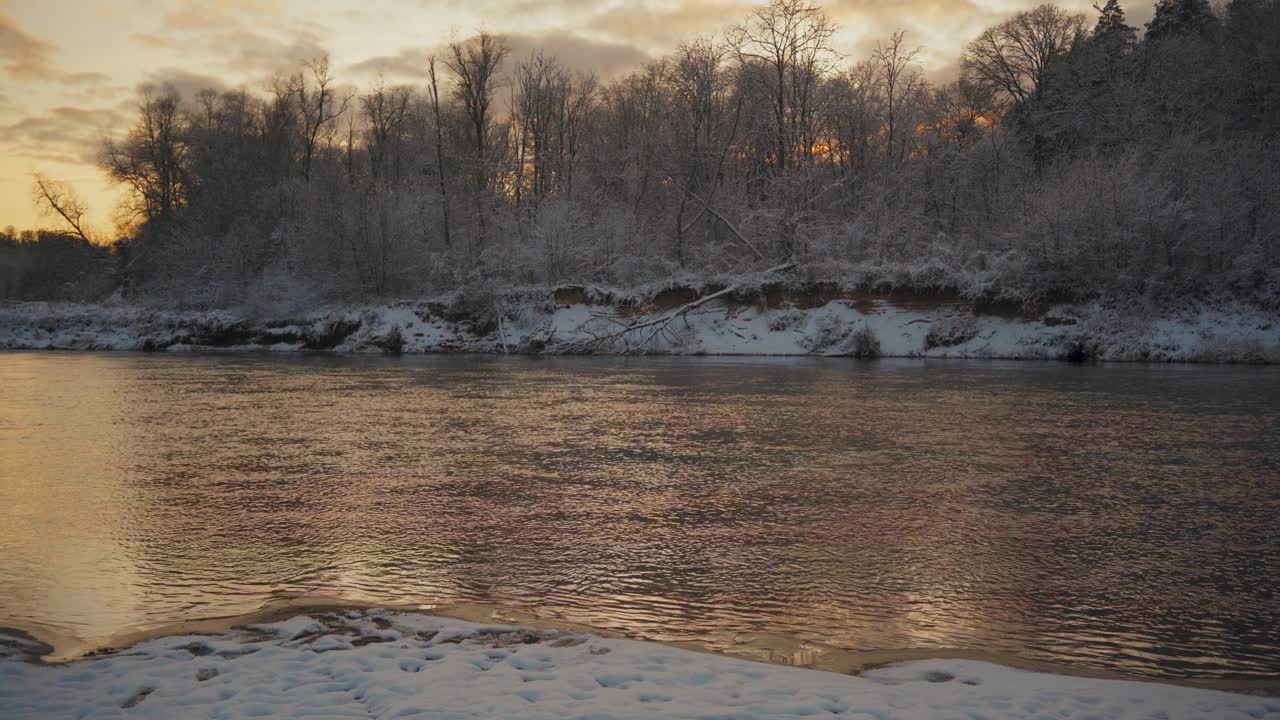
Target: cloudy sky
70	70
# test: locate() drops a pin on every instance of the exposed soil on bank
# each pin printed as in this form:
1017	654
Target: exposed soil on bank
767	319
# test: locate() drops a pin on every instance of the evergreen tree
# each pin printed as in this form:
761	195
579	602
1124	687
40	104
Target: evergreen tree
1180	17
1112	40
1111	28
1252	76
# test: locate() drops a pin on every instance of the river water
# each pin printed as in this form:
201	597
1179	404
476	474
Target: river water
1120	518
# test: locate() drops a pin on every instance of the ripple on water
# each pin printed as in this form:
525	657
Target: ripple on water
1116	518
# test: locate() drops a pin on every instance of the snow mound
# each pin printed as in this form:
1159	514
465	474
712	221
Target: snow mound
394	665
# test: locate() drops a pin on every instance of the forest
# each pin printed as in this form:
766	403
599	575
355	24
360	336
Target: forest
1076	157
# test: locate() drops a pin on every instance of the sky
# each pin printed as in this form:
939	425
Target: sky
71	70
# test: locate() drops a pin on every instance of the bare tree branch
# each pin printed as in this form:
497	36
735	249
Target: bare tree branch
53	197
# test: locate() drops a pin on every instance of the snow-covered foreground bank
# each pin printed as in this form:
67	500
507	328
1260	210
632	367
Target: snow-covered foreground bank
384	664
575	321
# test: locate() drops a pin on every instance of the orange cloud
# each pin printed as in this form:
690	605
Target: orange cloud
606	59
25	56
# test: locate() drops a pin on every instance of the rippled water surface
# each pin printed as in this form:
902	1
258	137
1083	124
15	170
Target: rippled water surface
1119	518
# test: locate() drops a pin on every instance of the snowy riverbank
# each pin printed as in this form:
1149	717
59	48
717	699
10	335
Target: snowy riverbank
387	664
577	320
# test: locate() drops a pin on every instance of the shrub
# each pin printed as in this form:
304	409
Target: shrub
1080	349
786	320
393	342
829	330
474	303
950	332
330	333
864	343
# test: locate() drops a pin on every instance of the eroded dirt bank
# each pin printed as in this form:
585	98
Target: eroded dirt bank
768	319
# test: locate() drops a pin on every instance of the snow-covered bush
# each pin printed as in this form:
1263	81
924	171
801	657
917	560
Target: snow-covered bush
829	331
392	342
951	331
863	343
330	332
474	302
833	334
787	320
1081	348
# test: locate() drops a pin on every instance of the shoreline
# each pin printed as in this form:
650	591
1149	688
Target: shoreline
267	351
560	322
390	664
53	647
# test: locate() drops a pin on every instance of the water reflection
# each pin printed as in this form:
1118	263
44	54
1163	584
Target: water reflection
1114	518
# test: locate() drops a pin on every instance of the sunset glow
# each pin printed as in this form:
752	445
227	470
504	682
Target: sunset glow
72	69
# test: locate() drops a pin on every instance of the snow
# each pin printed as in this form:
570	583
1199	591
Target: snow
903	330
294	627
936	329
384	664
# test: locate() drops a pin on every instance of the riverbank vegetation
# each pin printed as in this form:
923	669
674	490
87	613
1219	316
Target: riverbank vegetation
1075	158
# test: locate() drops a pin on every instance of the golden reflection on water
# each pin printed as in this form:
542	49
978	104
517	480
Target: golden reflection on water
1117	518
45	504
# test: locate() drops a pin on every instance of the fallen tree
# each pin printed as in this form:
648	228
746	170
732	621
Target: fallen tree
637	338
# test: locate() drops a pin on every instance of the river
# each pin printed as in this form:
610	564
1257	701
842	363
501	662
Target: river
1118	518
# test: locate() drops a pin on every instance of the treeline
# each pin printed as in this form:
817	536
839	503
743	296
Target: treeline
1072	158
44	265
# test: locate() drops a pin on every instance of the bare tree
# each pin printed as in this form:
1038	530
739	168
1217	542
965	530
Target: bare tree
439	133
150	160
791	40
854	117
279	123
475	65
385	109
704	120
540	101
580	105
900	84
318	106
53	197
1014	57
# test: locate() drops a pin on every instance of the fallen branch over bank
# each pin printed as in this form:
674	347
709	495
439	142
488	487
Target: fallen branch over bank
647	329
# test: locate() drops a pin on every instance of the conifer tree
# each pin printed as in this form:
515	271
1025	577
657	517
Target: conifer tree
1111	27
1180	17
